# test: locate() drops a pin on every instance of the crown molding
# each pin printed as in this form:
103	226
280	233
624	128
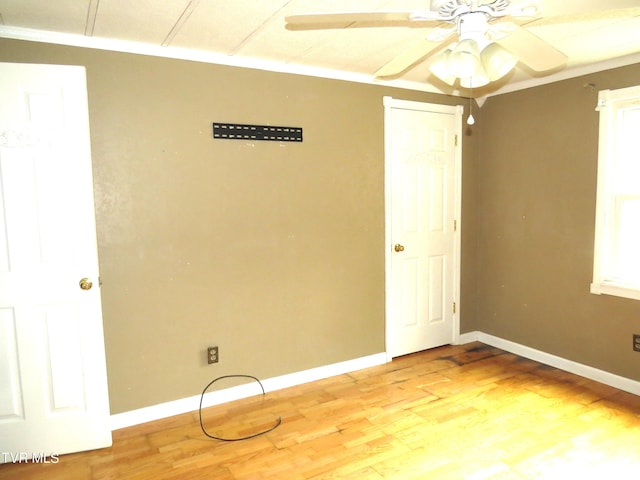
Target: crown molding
75	40
569	73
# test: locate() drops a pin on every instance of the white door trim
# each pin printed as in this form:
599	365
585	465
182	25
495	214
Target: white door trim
457	111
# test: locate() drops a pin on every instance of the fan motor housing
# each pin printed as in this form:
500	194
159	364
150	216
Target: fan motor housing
454	8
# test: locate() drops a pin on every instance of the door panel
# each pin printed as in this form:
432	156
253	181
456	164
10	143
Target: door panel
410	277
11	393
436	287
62	343
53	375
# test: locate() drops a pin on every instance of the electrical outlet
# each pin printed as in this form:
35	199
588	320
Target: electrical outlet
212	355
636	342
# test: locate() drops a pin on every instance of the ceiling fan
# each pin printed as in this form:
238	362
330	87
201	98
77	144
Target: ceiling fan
474	42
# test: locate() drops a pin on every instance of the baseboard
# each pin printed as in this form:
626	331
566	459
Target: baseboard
190	404
467	338
613	380
217	397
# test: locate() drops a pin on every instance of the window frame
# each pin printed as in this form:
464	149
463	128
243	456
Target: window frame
609	104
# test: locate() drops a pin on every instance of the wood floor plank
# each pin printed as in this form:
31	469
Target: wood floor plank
469	412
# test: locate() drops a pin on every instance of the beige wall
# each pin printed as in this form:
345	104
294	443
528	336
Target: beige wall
536	193
273	251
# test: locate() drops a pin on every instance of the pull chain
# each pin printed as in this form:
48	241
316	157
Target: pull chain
470	119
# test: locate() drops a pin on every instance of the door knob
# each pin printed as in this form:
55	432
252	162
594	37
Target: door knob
398	247
86	284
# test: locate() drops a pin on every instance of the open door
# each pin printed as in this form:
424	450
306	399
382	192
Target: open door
53	382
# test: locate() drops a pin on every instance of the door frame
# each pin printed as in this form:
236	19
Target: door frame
456	110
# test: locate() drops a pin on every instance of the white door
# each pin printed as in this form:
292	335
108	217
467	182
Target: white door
423	191
53	388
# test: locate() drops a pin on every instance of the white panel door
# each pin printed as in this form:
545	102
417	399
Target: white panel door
53	385
422	207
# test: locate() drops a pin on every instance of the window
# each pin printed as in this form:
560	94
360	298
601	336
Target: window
616	268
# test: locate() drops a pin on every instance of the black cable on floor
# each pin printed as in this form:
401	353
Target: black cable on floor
278	421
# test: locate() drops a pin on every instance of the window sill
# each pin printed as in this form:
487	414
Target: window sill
607	288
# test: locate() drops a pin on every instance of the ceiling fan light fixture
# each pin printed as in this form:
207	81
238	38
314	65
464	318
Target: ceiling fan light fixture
497	61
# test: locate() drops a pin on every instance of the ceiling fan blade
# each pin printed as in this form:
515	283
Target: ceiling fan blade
317	21
523	9
532	51
411	56
610	14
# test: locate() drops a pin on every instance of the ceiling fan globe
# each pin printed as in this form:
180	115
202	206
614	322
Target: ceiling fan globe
464	60
440	67
497	61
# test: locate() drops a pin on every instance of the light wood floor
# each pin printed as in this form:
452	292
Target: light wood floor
459	412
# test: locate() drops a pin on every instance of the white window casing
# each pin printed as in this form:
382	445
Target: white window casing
616	268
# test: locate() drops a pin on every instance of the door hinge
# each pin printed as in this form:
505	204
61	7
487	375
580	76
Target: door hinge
455	139
454	307
455	225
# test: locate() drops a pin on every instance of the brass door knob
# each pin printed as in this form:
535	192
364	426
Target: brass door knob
398	247
86	284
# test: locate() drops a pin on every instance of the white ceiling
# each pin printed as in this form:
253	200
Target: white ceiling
253	33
